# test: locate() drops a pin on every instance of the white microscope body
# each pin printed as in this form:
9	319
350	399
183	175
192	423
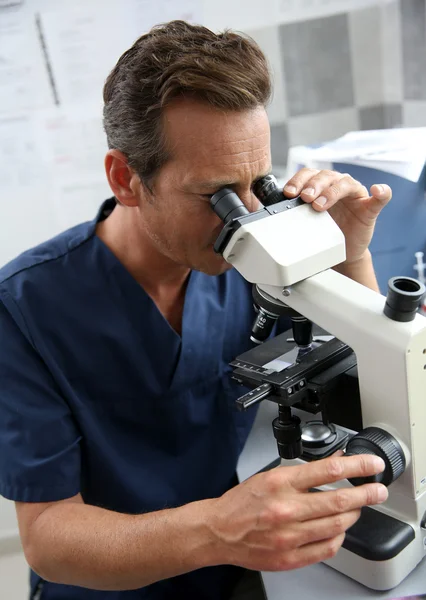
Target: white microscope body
290	255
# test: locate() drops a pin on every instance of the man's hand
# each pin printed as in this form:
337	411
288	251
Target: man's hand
348	202
271	522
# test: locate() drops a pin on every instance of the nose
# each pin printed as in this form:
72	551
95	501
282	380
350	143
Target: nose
250	201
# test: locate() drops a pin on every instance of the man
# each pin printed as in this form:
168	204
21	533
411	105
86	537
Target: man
119	435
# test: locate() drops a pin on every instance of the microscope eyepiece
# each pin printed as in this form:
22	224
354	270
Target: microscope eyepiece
268	191
227	205
403	298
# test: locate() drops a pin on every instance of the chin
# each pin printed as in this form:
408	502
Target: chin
215	265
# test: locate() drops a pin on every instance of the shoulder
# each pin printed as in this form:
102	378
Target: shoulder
38	280
32	262
65	248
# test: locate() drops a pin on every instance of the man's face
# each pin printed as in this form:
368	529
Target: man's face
210	149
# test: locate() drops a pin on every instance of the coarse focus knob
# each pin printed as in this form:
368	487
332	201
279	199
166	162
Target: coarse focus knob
377	441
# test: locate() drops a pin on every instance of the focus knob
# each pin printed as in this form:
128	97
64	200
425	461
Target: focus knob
379	442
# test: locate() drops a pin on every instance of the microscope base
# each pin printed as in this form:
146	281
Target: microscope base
379	551
379	575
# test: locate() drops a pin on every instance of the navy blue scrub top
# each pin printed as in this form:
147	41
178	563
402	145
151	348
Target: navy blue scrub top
99	395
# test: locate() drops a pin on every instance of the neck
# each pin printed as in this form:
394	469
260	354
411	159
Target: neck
133	247
161	278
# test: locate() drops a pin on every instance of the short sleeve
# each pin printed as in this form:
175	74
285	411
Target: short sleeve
39	439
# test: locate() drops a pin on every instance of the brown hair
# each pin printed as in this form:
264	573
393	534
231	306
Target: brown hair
226	70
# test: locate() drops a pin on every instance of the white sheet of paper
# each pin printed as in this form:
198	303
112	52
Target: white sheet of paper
72	142
143	14
400	151
380	144
24	82
73	147
83	46
20	163
26	215
78	202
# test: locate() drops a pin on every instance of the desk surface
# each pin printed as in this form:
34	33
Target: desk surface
319	581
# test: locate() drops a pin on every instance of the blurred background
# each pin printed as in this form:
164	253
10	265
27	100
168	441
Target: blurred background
339	66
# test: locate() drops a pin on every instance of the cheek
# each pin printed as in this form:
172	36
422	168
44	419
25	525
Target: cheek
212	230
190	226
203	225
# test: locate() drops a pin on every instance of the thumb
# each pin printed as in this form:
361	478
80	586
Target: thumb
381	194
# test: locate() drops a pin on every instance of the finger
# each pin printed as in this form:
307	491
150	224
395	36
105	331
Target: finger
319	182
316	505
309	532
324	186
381	194
381	191
295	185
310	554
345	187
330	470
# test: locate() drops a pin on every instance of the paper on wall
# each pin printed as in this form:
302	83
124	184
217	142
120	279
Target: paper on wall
20	162
51	173
143	14
24	83
72	142
78	202
73	146
26	215
83	46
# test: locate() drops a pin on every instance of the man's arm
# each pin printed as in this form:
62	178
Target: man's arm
361	271
77	544
269	522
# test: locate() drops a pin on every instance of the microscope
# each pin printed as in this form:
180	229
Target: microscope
350	375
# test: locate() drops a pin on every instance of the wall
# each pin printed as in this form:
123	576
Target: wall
361	69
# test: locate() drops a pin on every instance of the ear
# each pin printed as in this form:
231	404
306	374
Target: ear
122	179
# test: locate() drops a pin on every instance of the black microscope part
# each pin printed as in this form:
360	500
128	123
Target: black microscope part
268	310
302	331
403	298
227	205
262	326
267	190
377	441
288	433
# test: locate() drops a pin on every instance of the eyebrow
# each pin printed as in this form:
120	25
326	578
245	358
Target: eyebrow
218	184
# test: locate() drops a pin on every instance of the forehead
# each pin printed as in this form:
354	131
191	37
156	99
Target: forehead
203	137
